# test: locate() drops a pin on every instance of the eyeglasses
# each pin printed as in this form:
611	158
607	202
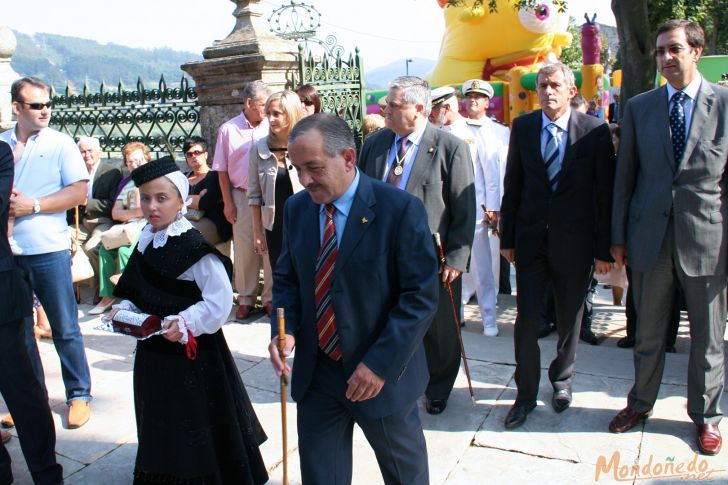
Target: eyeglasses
307	102
674	50
37	106
194	153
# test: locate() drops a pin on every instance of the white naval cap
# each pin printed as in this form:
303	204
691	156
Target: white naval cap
478	86
439	95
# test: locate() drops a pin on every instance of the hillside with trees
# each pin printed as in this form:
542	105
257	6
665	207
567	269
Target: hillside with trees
62	60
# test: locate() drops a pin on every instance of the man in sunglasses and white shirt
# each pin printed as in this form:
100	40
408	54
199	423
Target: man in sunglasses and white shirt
50	178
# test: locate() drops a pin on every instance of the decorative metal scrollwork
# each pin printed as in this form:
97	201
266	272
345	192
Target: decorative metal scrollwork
299	21
161	117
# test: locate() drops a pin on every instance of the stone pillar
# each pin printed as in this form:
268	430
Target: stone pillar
8	43
249	53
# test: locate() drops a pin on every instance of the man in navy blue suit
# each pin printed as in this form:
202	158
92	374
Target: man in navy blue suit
23	394
357	277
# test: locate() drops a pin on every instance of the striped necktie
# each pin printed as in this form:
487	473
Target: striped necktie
677	125
551	156
328	337
397	168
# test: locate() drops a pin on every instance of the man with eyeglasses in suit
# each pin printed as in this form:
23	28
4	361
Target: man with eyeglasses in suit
50	178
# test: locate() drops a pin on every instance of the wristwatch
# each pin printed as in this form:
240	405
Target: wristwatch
36	206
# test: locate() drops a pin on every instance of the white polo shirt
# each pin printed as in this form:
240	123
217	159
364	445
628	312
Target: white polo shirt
51	161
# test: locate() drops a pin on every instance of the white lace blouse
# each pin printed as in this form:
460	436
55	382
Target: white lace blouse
208	315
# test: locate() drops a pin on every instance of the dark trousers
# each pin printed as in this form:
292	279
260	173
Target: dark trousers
504	282
549	313
27	402
569	288
678	304
441	344
325	426
705	298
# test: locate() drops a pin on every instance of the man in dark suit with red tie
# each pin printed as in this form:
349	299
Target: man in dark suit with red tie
25	397
555	224
357	277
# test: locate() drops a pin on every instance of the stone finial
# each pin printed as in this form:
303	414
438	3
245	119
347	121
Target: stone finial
8	44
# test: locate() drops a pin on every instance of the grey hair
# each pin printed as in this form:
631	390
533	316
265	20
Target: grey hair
255	88
19	84
549	69
415	91
91	140
336	133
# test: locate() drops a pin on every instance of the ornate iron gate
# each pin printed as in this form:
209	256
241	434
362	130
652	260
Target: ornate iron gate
340	84
161	118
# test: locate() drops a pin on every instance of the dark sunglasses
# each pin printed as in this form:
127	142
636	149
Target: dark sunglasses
37	106
194	153
307	102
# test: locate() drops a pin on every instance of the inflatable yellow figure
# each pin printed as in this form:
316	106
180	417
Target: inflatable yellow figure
478	44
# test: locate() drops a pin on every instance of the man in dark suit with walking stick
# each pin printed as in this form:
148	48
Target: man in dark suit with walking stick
555	224
435	167
20	389
357	277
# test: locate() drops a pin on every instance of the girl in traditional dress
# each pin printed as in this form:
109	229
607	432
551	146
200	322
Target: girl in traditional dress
195	422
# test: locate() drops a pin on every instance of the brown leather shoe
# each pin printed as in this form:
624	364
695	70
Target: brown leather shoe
243	312
79	413
627	419
5	436
709	439
268	308
7	421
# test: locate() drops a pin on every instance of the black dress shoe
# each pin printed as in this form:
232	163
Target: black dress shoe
625	343
627	419
561	400
588	336
518	414
435	406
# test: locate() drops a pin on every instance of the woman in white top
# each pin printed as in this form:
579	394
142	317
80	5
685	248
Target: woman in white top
271	175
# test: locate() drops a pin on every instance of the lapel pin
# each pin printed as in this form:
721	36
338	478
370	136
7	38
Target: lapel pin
431	150
364	220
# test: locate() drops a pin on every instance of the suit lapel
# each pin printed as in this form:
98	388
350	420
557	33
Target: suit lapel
534	143
360	218
701	114
573	135
309	246
380	153
423	161
661	122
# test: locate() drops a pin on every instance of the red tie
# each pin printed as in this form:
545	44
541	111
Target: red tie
325	319
393	177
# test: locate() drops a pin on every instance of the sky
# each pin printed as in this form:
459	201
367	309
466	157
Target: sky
384	30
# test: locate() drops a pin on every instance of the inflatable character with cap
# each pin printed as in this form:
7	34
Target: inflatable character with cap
486	45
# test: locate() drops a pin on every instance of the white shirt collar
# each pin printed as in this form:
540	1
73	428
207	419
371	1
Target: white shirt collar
159	238
562	121
691	89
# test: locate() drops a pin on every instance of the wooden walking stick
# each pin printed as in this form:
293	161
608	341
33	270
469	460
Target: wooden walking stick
284	384
455	315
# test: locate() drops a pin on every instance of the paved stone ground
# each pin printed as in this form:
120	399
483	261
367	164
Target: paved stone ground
467	444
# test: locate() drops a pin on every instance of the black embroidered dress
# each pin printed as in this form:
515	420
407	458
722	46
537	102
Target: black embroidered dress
195	422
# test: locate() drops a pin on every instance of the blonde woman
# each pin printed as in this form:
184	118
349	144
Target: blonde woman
271	177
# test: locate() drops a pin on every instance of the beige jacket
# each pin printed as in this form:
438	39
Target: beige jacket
262	172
